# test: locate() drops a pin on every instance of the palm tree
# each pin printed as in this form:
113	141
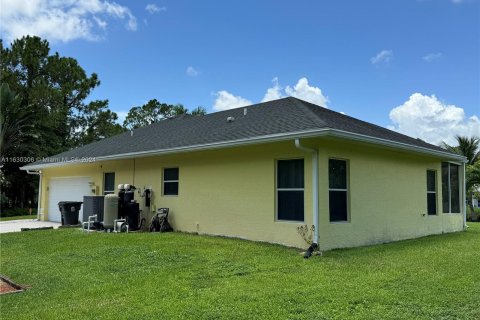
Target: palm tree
467	147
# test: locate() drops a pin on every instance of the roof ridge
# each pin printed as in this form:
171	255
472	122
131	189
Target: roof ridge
309	113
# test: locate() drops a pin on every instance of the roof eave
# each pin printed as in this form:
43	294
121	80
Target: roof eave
263	139
398	145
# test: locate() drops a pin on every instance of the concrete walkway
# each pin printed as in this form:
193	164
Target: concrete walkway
16	225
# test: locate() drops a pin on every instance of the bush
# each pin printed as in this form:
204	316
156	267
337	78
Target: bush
474	215
14	212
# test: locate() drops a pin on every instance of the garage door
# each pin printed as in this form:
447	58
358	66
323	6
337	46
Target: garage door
66	189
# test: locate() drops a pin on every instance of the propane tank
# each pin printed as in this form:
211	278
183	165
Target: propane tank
110	210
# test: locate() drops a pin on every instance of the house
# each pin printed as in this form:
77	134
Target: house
261	171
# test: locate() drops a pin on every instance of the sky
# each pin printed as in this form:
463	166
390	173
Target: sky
409	65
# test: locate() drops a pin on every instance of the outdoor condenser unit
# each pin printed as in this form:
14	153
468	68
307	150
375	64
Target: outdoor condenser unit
93	205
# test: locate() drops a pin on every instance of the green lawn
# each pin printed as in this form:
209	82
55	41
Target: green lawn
33	216
180	276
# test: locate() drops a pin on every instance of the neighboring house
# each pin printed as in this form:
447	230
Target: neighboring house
261	171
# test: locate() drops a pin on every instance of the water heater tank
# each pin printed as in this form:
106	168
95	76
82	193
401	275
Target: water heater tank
110	210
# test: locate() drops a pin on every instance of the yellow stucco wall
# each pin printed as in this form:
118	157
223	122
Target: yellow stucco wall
232	192
387	194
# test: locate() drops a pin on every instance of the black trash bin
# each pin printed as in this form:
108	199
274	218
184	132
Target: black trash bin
69	210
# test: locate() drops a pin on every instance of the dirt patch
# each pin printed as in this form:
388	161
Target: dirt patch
8	286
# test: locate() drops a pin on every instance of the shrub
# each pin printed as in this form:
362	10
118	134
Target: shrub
474	215
14	212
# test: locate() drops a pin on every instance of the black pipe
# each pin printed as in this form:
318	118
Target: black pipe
310	250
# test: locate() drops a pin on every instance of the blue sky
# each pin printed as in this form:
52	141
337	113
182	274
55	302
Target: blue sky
412	66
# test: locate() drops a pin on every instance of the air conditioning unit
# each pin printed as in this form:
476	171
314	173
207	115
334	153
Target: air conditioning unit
93	205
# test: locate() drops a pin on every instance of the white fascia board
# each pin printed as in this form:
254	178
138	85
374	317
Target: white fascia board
263	139
397	145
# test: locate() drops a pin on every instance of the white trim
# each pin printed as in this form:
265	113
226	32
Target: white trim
277	189
315	212
170	181
460	191
109	191
433	192
464	199
347	178
264	139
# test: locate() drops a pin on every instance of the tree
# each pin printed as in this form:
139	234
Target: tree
49	114
15	123
95	122
467	147
199	111
154	111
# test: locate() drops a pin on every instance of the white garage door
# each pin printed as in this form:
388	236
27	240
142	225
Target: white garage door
66	189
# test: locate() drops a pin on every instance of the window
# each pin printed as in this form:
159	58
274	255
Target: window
170	181
338	189
450	188
108	183
290	189
431	192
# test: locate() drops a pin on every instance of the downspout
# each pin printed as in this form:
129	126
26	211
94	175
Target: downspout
316	237
464	199
38	173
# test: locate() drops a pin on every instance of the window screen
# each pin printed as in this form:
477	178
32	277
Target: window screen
290	190
338	190
450	188
109	182
170	181
431	192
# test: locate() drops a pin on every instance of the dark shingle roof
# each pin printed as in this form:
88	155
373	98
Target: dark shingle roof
283	116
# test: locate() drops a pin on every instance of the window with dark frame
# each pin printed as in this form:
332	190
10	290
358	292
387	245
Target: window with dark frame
450	187
170	181
108	183
431	192
338	189
290	190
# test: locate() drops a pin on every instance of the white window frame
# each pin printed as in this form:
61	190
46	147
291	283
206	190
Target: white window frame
450	188
170	181
337	189
434	192
105	192
277	189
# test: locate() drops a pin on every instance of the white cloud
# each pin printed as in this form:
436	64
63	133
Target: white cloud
384	56
432	120
302	90
225	100
431	57
274	92
153	8
61	20
192	72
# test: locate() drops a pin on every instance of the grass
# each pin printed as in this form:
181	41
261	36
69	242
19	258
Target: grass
181	276
33	216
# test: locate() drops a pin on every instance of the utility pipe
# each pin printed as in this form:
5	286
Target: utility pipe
38	173
314	153
464	199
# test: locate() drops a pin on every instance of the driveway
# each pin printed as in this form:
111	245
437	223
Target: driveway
16	225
